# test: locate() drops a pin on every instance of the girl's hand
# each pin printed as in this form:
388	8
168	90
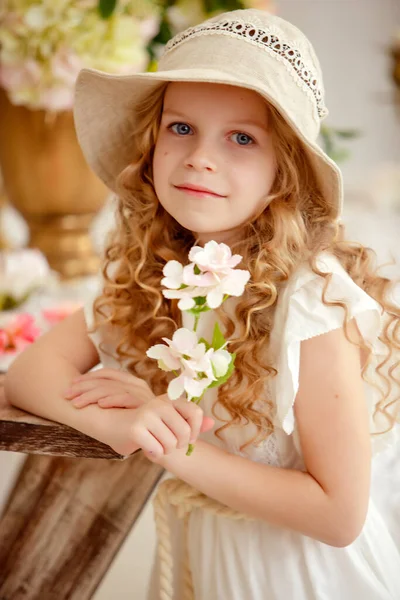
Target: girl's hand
109	388
161	426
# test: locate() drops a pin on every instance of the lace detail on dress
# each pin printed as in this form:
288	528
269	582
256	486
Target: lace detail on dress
268	452
267	39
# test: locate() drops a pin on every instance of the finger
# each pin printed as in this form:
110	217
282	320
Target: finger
179	427
110	374
120	401
87	386
207	424
82	401
193	415
147	442
93	396
164	435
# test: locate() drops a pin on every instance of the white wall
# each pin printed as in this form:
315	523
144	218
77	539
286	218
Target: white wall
352	39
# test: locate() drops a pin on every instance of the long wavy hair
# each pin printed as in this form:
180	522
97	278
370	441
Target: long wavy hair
297	225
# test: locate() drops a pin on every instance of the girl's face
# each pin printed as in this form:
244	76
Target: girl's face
214	164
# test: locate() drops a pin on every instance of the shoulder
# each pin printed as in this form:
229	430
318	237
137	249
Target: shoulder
307	310
311	304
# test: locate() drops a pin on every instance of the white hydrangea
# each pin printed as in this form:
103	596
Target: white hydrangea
44	45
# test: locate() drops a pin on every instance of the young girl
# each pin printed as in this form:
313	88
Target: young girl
220	144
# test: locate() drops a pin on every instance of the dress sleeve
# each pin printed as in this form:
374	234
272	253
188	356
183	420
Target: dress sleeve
303	316
104	337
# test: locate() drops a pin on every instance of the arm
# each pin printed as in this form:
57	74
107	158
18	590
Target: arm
329	501
37	379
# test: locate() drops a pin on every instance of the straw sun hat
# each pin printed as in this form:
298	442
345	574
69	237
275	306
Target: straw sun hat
246	48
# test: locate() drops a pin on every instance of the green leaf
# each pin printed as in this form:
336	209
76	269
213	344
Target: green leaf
106	8
196	270
347	134
227	375
218	339
200	300
8	302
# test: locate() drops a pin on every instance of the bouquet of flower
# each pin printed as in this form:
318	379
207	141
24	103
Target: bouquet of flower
202	285
45	43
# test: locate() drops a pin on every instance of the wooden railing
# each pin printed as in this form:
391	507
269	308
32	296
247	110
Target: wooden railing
74	502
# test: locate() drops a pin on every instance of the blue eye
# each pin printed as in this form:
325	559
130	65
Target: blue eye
243	139
180	128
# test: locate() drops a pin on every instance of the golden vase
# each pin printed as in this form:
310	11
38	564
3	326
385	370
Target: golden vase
48	181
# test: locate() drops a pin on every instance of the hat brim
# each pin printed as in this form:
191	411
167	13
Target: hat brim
104	114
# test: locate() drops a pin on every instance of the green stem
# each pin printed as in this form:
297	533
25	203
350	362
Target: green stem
190	449
196	322
191	446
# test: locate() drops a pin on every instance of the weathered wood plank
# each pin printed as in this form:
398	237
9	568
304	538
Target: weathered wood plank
66	517
23	432
66	520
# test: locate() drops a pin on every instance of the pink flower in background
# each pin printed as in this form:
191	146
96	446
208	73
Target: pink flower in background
18	75
18	333
59	313
65	66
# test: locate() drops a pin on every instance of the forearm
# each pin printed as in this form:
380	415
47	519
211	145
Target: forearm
282	497
36	383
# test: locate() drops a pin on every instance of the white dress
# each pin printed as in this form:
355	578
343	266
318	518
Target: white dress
252	560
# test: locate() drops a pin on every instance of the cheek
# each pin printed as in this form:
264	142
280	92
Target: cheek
255	176
160	166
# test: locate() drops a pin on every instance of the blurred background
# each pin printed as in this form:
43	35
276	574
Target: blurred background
54	213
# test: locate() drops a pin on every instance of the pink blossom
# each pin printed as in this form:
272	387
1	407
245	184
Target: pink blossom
60	312
203	279
20	75
65	66
214	258
18	333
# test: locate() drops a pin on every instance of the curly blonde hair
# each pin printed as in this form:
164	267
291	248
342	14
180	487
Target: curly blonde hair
297	226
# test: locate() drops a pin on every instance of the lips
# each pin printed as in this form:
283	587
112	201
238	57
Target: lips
199	189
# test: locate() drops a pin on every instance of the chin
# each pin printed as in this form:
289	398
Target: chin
196	225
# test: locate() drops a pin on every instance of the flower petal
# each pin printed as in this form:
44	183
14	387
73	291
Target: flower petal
172	268
194	253
184	340
176	387
200	280
186	303
235	282
195	388
161	352
221	360
215	297
173	275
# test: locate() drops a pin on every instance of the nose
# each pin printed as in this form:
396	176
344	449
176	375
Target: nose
201	157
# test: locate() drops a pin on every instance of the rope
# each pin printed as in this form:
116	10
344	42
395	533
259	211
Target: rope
183	498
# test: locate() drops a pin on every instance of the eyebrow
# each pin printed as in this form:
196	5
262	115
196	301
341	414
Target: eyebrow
242	122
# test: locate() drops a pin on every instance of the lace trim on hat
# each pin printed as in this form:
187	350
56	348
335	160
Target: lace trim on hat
285	52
